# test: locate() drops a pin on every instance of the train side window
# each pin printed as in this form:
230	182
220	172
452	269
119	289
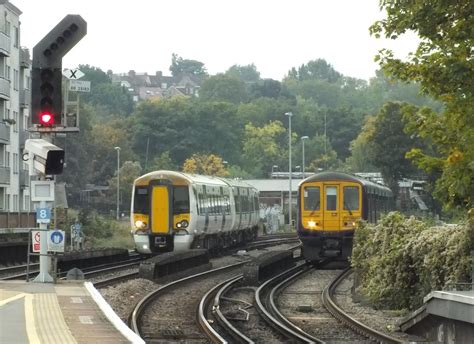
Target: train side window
312	196
351	198
331	198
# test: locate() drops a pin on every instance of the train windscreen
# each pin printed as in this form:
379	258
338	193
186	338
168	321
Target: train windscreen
311	198
180	200
351	198
141	203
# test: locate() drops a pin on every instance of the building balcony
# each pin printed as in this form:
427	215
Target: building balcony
4	88
25	97
4	175
4	44
4	133
24	179
24	58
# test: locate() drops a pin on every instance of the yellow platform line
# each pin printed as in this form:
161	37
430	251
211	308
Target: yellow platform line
50	322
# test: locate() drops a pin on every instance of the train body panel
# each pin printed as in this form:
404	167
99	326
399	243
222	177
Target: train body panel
174	211
329	206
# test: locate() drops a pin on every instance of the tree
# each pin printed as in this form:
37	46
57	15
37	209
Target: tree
362	154
129	171
184	66
315	70
263	147
161	162
442	65
209	165
246	74
390	144
223	87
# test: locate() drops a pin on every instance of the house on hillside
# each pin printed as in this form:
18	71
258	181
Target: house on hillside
143	86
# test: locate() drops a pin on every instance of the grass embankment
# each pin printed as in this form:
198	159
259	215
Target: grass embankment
400	260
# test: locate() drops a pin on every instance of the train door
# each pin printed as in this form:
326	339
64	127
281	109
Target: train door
331	214
160	218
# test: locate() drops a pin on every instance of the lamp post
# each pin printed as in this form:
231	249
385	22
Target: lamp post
118	182
289	114
302	142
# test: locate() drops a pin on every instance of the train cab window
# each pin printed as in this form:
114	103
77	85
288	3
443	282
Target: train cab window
351	198
180	200
141	202
312	198
331	198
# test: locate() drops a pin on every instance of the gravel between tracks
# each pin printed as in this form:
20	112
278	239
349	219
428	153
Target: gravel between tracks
124	296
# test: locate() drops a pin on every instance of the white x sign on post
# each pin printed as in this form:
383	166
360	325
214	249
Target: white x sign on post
73	74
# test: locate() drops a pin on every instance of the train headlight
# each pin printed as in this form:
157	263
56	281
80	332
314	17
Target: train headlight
182	224
140	225
312	224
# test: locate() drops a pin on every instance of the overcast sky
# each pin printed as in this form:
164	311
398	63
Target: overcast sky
275	35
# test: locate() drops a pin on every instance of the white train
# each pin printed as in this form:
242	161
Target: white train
175	211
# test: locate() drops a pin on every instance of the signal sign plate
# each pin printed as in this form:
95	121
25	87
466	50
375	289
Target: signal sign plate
79	86
43	215
36	237
56	240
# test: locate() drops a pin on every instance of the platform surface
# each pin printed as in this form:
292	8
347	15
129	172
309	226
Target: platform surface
58	313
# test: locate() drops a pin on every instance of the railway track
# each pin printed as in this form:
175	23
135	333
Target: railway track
164	321
345	318
212	316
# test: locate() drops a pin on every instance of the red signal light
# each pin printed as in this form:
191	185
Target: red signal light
46	118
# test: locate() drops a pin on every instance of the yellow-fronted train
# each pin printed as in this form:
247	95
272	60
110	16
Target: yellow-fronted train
330	204
175	211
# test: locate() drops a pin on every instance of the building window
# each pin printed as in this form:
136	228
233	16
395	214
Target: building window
2	66
16	79
2	109
15	163
7	28
2	198
7	159
15	118
15	202
7	202
7	76
16	38
26	205
2	155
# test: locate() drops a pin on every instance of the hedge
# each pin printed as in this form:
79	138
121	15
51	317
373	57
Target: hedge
400	260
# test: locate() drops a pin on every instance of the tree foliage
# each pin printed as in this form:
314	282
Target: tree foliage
443	65
208	165
390	144
181	66
247	74
223	87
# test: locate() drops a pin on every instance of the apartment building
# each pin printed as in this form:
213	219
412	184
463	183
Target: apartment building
15	67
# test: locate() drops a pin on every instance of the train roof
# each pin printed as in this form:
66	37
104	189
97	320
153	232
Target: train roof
371	187
192	178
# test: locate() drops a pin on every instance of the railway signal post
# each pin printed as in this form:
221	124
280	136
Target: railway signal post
47	118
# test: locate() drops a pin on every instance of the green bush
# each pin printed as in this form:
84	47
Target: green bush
400	260
101	231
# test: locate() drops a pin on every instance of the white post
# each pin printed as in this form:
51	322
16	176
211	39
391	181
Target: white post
44	275
289	114
118	182
302	141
